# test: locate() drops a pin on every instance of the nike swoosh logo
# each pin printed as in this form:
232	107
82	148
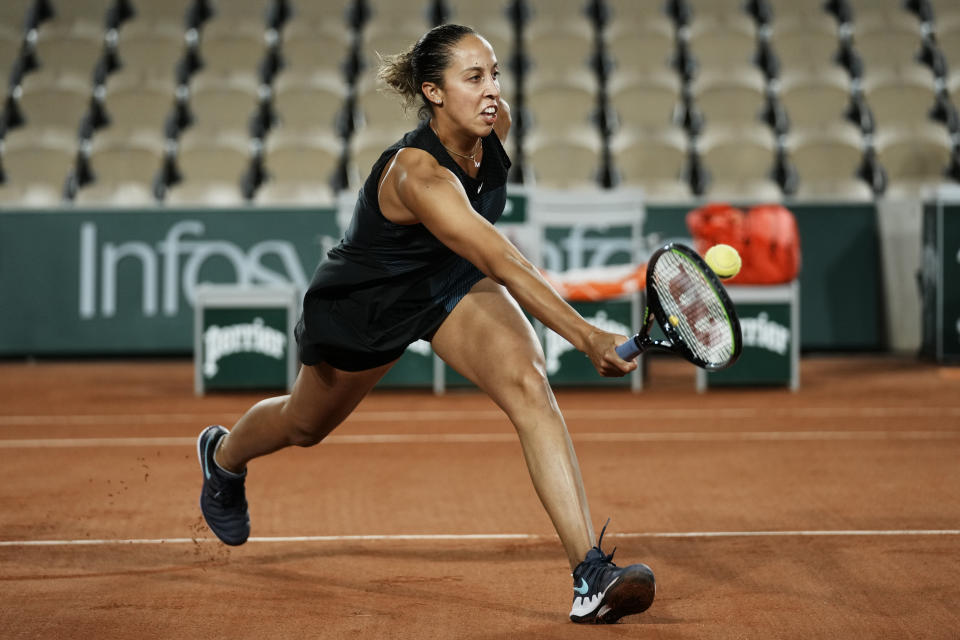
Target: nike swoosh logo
583	588
206	469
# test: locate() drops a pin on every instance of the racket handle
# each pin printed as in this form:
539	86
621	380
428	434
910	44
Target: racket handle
629	349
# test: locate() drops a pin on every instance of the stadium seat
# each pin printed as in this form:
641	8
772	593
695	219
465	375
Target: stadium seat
815	98
744	190
900	98
205	194
558	51
136	106
646	48
80	13
742	154
314	194
299	171
9	49
914	156
635	12
54	104
652	159
806	42
222	105
308	108
383	110
365	148
645	101
578	98
149	50
712	9
40	163
565	162
30	196
949	41
290	158
502	43
402	14
723	41
796	8
14	12
211	171
127	194
231	50
166	14
485	17
314	49
384	40
945	11
863	8
333	11
557	14
241	12
730	99
120	166
825	155
71	52
888	45
834	190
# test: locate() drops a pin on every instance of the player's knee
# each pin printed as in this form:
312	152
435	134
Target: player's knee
531	384
307	432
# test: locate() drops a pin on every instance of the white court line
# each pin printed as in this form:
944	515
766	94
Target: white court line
491	537
499	438
485	415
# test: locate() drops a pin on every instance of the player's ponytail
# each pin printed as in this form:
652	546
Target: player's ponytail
425	61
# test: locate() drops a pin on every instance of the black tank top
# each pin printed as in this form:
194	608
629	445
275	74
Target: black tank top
387	285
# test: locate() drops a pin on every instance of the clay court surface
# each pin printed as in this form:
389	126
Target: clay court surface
832	512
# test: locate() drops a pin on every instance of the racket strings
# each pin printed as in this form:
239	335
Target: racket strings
702	319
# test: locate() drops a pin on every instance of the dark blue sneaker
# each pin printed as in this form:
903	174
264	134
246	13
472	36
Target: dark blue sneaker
223	500
604	593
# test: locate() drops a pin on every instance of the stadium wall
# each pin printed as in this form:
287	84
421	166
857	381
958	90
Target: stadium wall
86	282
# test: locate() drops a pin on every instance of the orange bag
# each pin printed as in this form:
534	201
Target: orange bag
766	237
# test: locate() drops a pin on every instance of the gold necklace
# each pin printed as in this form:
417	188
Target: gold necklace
471	157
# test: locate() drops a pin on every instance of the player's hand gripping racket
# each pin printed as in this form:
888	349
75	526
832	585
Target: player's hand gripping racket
691	306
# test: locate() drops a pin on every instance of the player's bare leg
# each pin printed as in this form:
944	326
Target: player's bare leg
321	398
503	357
488	340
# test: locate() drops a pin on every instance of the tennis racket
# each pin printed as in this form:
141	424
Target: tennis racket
689	303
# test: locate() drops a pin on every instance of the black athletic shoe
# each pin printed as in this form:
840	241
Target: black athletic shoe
223	500
604	593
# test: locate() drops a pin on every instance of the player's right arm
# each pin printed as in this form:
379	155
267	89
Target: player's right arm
416	189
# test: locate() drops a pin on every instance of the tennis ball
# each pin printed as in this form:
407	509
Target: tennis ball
724	260
674	320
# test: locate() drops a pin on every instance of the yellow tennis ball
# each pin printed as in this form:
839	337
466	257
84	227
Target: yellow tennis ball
674	320
724	260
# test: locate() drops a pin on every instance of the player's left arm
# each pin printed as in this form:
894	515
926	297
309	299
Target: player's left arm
439	202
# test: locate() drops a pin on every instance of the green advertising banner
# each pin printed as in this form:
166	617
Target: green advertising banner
940	281
89	282
121	282
950	285
841	296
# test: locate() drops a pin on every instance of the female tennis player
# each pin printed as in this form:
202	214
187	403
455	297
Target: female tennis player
422	259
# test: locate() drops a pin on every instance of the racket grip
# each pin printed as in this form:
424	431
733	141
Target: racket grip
629	349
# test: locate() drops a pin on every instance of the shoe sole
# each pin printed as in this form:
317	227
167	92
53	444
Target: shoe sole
633	594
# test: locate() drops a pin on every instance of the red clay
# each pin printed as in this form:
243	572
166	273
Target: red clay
837	504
